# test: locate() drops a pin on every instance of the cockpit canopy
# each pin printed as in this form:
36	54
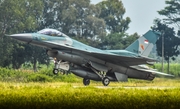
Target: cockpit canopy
52	32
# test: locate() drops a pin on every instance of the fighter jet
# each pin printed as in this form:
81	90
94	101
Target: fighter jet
95	64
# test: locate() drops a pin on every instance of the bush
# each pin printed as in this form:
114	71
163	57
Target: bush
39	78
43	75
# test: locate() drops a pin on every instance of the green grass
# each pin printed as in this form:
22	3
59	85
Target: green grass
43	75
24	89
65	95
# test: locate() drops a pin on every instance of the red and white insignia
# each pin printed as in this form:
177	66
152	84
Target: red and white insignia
146	41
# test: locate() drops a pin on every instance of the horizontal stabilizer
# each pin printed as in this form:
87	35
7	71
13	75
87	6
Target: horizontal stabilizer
153	71
158	73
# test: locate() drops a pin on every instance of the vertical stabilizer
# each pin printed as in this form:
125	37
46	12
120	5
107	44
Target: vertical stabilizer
144	44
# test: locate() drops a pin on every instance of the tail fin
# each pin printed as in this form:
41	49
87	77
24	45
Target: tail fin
144	44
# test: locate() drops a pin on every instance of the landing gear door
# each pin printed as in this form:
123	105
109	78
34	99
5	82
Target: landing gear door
121	77
64	66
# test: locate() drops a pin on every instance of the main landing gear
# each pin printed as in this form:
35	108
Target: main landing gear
86	82
105	81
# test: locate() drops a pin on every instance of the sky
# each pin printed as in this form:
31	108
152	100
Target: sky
141	12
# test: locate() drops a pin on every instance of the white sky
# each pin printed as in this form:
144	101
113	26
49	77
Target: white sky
141	12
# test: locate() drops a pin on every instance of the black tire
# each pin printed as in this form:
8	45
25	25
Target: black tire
105	81
55	71
86	82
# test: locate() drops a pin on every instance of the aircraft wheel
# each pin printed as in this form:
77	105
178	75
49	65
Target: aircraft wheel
105	81
86	82
55	71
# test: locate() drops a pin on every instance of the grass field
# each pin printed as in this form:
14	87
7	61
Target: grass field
60	95
24	89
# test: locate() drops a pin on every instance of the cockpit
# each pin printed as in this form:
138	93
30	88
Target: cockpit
52	32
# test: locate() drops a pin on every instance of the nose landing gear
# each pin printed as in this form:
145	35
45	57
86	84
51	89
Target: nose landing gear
86	82
55	71
56	66
62	66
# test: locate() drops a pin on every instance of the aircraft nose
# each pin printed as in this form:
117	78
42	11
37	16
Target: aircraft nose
26	37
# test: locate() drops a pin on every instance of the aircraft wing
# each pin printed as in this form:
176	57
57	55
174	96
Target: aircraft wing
105	56
122	60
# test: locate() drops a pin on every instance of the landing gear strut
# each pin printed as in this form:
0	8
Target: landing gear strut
56	65
86	82
105	80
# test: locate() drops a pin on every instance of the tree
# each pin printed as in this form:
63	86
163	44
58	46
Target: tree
18	54
113	41
6	49
171	42
172	12
16	16
118	41
19	15
36	54
9	14
130	39
74	18
112	11
81	20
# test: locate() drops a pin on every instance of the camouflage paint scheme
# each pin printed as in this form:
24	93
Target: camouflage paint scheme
95	64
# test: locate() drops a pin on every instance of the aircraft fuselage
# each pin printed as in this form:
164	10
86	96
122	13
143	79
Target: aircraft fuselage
83	59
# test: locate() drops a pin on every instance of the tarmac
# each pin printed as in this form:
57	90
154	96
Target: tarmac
128	87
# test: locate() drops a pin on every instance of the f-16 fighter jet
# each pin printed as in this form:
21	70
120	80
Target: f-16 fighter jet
95	64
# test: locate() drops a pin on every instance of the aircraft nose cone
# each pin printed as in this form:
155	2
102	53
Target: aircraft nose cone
22	37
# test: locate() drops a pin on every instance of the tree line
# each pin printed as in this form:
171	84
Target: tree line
102	25
77	18
169	26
